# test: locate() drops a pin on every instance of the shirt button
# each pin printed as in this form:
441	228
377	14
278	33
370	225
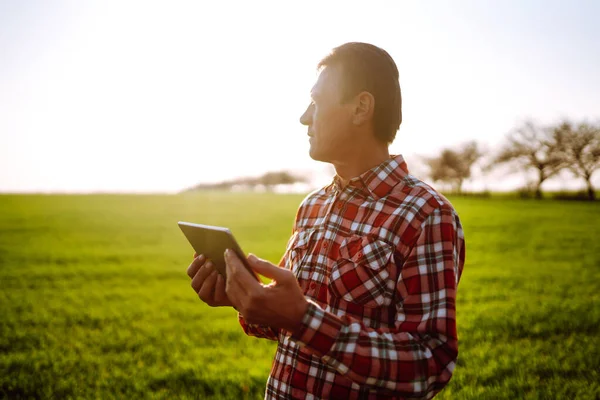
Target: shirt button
313	285
288	369
339	205
360	254
325	244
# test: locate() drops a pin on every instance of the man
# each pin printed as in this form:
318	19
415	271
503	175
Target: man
363	301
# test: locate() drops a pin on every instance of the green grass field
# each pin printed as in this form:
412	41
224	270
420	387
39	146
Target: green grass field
95	301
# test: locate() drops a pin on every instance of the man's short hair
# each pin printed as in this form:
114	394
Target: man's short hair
366	67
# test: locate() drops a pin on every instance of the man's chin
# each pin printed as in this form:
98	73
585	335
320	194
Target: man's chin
322	153
315	155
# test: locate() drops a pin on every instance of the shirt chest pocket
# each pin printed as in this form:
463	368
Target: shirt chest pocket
364	272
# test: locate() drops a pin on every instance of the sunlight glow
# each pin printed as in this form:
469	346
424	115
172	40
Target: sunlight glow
152	96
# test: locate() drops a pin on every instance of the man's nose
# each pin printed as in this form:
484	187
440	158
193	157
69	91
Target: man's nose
306	118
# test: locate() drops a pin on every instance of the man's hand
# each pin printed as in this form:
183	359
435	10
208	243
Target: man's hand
280	304
207	282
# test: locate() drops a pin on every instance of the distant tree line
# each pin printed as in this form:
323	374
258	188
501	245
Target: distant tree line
547	150
268	180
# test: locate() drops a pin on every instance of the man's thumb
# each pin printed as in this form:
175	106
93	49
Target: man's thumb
264	267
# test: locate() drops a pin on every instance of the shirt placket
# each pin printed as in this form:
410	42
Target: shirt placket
339	197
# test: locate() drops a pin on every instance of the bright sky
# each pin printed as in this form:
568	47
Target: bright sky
158	96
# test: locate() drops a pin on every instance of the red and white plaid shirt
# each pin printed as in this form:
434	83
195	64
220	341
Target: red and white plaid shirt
379	261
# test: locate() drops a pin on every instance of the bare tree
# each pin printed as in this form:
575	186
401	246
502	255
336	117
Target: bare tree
532	146
454	166
580	149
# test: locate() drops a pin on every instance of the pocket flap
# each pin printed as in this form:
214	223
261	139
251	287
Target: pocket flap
366	250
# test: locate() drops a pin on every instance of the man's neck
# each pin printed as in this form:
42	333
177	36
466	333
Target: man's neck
361	163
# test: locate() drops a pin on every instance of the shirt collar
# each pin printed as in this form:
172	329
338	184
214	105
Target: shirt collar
377	181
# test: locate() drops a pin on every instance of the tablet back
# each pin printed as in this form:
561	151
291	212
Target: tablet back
212	242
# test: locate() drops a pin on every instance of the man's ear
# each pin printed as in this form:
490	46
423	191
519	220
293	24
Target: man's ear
363	109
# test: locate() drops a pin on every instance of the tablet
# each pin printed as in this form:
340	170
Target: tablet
212	242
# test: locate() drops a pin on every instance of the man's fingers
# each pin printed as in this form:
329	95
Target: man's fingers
232	291
236	271
207	291
235	291
220	295
201	275
267	269
195	265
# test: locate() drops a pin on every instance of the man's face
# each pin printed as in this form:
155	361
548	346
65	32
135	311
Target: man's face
329	121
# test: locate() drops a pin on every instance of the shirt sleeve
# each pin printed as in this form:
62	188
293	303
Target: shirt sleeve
260	331
415	357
